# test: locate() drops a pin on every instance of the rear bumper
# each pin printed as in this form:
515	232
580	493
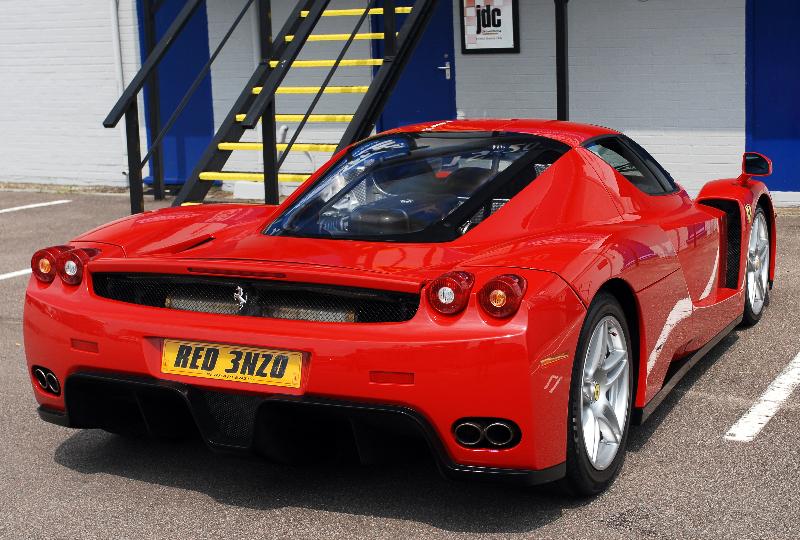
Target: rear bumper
213	419
463	367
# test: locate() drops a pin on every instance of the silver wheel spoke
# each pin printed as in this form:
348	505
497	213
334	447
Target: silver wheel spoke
614	367
597	349
607	418
595	441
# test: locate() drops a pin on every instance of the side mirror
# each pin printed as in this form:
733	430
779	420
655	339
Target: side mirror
755	164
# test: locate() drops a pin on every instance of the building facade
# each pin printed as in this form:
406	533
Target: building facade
694	82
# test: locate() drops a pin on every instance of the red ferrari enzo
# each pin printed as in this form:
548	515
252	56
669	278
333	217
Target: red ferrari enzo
513	292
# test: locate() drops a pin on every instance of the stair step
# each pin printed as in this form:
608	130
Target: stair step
315	89
251	177
312	118
329	63
340	37
297	147
356	12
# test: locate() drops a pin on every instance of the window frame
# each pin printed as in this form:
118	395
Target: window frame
659	175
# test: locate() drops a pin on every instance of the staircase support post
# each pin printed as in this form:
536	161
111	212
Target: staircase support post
562	61
153	99
271	190
389	30
134	158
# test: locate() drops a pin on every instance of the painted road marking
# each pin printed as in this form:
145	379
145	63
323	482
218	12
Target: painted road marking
37	205
15	274
767	405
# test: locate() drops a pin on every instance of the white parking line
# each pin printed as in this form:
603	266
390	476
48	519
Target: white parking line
37	205
767	405
15	274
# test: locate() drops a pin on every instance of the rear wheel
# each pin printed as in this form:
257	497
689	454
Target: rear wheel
756	292
600	399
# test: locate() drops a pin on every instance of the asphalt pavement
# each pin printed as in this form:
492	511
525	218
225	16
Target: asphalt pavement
681	478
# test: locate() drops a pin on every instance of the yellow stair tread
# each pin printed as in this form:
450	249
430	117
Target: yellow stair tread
313	118
329	63
356	12
251	177
314	89
299	147
340	37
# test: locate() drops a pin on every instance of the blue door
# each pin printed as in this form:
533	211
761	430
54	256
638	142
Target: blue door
192	132
427	88
773	87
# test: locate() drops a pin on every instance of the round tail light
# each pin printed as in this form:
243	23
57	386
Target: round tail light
70	264
449	294
43	263
502	296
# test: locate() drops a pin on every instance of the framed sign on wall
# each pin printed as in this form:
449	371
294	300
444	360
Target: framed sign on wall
489	26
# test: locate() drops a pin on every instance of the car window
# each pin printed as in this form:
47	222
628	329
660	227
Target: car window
403	186
619	156
660	172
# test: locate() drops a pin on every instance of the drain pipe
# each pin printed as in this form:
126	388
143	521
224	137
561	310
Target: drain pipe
116	44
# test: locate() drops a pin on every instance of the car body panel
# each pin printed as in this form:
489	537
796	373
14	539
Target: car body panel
577	228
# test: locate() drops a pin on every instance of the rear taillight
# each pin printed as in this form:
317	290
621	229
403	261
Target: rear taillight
43	263
70	264
65	261
502	296
449	294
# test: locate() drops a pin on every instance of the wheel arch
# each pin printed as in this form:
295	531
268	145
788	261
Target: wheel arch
622	291
765	202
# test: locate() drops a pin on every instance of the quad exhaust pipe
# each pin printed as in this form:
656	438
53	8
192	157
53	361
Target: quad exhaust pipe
47	380
486	433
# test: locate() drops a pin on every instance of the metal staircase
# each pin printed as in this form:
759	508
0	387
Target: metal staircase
255	107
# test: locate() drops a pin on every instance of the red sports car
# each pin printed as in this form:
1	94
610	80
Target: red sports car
513	292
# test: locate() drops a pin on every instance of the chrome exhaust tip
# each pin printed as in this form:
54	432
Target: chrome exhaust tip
499	433
40	377
52	383
468	433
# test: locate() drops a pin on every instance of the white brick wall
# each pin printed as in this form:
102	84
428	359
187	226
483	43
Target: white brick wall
669	73
57	83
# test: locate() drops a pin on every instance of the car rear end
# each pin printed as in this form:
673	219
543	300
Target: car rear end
283	358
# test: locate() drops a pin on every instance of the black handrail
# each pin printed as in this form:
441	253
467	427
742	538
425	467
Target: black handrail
131	92
324	85
197	82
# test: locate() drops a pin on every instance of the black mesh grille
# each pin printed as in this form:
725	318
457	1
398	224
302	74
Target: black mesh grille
258	298
230	417
733	223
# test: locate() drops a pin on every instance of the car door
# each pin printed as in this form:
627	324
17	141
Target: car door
650	195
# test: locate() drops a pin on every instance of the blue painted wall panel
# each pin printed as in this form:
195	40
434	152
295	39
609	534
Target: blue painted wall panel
773	88
194	129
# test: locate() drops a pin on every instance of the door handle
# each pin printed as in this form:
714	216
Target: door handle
446	68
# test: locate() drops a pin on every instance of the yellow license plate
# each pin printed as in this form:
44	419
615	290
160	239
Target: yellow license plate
232	363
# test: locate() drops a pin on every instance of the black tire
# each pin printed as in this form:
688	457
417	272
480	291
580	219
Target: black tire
750	317
582	478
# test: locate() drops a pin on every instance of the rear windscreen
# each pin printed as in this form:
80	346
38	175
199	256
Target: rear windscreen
409	186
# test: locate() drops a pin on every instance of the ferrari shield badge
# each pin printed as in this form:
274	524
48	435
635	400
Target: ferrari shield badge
748	210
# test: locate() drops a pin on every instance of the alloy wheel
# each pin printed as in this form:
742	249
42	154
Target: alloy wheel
605	392
758	263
